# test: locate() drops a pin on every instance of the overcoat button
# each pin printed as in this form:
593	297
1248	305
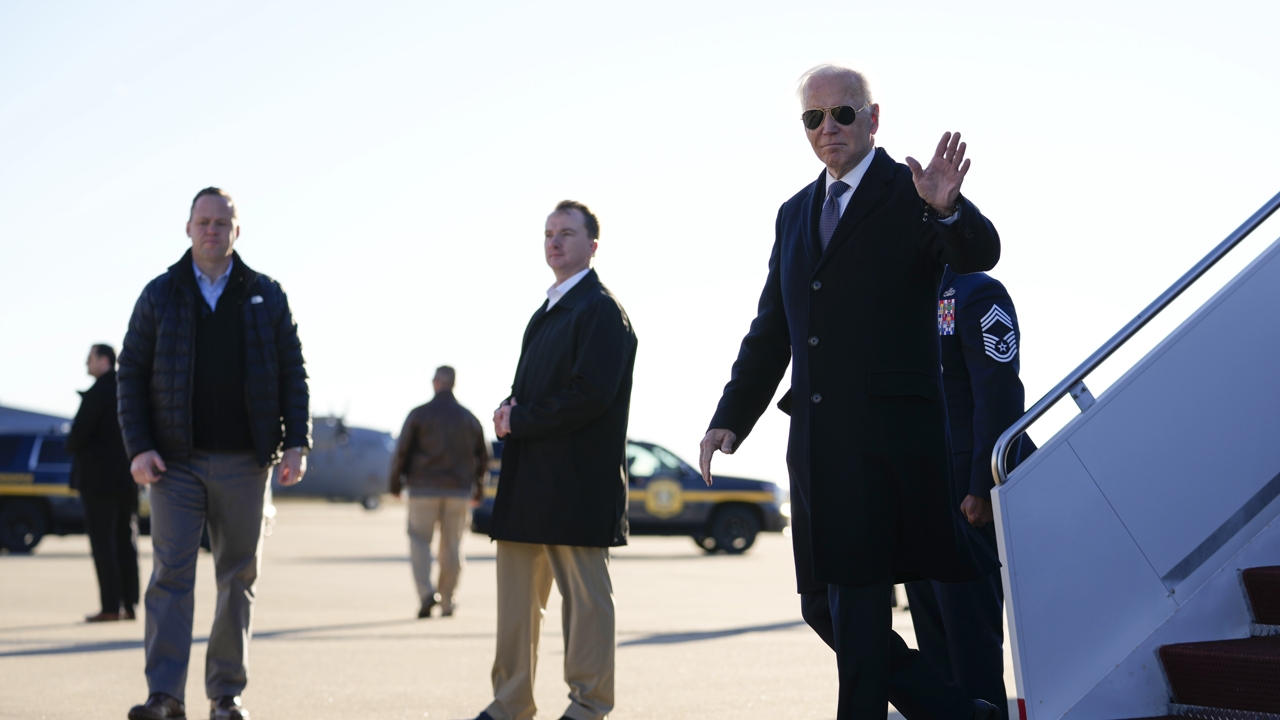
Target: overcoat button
813	341
816	398
817	285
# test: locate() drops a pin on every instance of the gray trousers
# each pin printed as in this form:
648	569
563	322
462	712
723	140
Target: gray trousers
451	513
226	491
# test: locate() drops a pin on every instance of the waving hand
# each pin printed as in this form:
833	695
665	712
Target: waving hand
939	184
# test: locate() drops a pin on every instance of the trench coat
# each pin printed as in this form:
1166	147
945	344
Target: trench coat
564	465
101	465
868	455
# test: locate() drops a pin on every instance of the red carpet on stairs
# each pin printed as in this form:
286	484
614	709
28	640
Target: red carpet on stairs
1239	674
1263	587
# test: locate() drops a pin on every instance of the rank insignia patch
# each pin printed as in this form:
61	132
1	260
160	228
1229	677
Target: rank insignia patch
946	317
998	335
949	292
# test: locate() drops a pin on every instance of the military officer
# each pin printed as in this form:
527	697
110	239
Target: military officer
958	625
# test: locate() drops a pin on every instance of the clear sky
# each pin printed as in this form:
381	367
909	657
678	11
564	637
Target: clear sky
393	164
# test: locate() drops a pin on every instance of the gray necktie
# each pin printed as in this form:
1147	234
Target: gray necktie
831	212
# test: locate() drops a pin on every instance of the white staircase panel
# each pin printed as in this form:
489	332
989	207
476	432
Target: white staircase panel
1224	370
1135	504
1070	634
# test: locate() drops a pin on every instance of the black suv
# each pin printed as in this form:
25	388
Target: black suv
35	494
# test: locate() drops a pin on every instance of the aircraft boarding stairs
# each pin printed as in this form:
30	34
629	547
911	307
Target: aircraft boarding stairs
1141	543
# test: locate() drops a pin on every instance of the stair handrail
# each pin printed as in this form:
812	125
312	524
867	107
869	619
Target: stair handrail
1073	383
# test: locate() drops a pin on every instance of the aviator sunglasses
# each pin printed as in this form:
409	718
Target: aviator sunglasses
843	114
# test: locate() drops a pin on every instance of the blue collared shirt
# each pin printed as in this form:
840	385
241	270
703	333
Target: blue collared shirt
212	289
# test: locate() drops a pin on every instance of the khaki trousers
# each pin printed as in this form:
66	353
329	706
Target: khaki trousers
525	573
424	513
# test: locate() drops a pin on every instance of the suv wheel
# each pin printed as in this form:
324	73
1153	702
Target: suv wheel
734	529
22	524
370	502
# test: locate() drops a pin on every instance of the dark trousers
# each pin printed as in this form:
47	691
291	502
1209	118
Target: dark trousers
875	666
110	519
959	629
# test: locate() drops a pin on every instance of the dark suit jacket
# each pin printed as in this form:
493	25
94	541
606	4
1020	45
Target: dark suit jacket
564	465
101	464
981	353
872	497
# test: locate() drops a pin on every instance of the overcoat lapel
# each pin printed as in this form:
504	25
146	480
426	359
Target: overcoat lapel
873	188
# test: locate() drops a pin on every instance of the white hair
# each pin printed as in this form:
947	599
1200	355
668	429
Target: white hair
855	83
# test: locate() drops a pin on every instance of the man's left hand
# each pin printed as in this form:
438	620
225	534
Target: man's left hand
292	467
939	184
977	510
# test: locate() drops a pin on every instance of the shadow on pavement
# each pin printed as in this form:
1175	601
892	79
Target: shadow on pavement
344	559
113	645
672	638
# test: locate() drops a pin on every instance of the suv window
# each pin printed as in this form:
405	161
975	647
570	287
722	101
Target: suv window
670	462
640	462
11	457
53	451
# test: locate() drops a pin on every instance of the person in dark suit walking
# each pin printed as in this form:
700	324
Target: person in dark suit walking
213	393
562	494
850	303
110	497
959	626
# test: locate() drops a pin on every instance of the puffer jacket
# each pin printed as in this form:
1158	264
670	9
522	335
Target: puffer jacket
157	366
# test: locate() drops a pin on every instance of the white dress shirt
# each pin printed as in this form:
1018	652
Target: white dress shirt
555	292
854	177
212	289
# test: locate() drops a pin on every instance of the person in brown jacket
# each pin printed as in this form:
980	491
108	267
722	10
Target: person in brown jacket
441	459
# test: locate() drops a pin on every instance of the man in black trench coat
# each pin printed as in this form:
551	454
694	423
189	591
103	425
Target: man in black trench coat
851	302
562	495
110	497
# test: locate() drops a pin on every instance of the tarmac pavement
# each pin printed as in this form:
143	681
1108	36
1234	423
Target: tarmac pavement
335	634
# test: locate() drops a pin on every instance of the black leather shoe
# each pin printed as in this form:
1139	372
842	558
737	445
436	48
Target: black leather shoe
983	710
227	707
425	611
484	716
159	707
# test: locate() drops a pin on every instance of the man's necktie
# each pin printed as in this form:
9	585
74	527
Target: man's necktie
831	212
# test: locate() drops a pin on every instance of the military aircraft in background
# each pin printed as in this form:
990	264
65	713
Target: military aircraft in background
345	463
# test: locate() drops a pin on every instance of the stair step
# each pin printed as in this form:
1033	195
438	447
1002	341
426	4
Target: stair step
1263	586
1207	713
1260	630
1239	674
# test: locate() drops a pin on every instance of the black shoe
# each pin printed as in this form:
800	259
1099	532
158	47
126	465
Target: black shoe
425	611
484	716
983	710
227	707
159	707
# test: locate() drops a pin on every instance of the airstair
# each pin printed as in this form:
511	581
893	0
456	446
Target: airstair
1141	543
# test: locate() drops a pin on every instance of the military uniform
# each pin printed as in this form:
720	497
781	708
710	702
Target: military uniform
959	625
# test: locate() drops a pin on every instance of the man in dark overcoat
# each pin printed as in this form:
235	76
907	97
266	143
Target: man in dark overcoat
562	494
850	302
213	393
959	626
107	491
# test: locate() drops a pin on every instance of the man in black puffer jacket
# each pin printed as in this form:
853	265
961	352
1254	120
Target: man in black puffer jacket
212	393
